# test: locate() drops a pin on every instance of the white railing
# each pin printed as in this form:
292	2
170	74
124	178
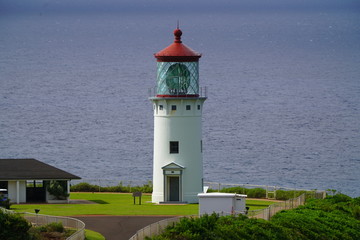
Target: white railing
202	92
67	222
270	191
270	211
156	228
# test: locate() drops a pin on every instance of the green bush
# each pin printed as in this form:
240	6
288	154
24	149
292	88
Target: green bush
14	227
55	227
215	227
285	195
51	227
58	189
51	231
330	218
5	203
86	187
256	193
261	193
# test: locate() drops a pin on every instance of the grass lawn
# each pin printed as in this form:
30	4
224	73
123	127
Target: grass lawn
91	235
118	204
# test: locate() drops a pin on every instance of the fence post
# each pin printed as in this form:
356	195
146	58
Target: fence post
267	192
275	192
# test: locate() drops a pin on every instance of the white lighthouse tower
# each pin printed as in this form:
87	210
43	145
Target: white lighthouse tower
178	103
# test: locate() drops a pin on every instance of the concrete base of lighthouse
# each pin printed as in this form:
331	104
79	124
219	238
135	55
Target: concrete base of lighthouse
191	198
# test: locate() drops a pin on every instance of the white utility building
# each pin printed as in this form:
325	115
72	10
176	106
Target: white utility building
178	102
222	203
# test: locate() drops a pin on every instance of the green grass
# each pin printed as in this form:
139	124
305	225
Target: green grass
118	204
258	204
91	235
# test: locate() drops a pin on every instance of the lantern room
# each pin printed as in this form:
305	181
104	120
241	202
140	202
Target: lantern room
177	70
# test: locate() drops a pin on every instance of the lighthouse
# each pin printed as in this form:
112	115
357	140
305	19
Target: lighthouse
178	103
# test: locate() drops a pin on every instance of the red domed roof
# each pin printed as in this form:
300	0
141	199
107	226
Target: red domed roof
177	51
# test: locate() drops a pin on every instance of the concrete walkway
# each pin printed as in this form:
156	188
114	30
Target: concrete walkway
118	227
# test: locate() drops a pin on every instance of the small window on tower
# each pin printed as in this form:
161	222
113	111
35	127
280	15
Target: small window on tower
188	107
199	107
173	107
174	147
161	107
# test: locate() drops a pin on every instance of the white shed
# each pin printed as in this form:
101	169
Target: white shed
222	203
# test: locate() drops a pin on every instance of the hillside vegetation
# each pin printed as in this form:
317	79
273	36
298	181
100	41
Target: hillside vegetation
336	217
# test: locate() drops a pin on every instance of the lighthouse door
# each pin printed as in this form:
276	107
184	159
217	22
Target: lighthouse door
173	182
174	188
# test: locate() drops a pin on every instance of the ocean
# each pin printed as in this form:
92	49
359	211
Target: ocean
283	85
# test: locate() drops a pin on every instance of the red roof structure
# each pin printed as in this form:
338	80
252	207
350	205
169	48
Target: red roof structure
177	51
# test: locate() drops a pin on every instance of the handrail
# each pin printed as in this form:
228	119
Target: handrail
270	189
41	219
156	228
202	92
270	211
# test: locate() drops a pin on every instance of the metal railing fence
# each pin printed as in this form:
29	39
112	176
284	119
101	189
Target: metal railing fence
156	228
67	222
270	191
270	211
202	92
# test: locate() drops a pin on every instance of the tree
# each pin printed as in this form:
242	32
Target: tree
58	189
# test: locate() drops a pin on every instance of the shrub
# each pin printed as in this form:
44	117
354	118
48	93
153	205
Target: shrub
261	193
285	195
52	230
5	203
51	227
58	189
256	193
14	227
55	227
330	218
84	187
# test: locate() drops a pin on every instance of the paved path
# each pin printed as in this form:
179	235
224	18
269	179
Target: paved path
118	227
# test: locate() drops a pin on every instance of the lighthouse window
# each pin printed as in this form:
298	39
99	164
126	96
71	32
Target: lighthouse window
198	107
173	107
174	147
188	107
161	107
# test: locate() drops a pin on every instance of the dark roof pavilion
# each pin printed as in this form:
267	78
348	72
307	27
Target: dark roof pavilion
26	169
